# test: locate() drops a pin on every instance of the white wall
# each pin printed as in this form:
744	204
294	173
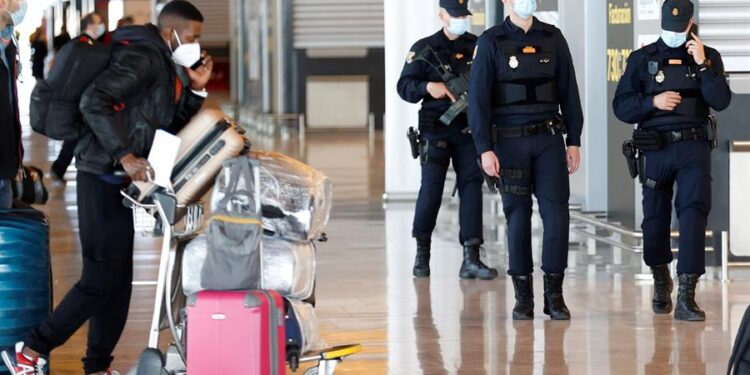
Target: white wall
405	23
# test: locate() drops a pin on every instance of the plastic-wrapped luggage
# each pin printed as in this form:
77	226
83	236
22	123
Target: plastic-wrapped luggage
288	267
296	198
25	274
302	330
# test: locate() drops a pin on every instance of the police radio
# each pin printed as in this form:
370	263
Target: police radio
458	85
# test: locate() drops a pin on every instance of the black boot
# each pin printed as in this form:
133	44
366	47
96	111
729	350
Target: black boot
472	267
524	286
663	285
554	303
686	308
422	261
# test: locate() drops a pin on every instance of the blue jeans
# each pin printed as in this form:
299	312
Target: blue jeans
6	195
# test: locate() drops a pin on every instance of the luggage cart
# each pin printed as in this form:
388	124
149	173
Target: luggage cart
178	224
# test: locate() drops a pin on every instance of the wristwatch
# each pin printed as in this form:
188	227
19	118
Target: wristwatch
707	64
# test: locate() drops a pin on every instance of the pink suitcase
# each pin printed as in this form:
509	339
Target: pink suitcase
236	332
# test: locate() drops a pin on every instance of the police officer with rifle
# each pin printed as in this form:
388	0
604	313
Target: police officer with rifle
436	74
669	89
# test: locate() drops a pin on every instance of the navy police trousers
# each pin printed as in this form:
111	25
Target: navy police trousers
542	161
688	164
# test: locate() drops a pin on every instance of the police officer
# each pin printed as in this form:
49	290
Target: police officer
522	76
441	144
668	89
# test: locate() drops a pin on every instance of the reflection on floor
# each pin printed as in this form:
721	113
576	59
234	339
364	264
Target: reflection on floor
442	325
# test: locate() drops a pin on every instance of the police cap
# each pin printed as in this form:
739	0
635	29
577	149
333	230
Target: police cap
456	8
676	15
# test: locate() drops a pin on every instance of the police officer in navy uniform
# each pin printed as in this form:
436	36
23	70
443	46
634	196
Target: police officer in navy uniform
521	78
441	144
668	89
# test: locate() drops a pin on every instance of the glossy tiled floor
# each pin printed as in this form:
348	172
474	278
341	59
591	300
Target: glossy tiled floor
442	325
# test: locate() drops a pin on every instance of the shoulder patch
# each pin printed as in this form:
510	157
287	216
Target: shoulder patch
410	57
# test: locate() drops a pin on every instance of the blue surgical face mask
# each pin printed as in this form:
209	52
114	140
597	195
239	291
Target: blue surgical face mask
524	8
459	26
20	14
100	30
673	39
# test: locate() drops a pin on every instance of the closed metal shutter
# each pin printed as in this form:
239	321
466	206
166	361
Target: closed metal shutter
725	25
216	17
338	23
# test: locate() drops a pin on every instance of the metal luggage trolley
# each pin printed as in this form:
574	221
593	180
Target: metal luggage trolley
178	225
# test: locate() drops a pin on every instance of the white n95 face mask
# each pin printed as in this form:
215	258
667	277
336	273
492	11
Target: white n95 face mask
187	55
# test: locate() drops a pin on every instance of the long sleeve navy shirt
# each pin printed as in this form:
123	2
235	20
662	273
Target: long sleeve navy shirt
631	105
487	68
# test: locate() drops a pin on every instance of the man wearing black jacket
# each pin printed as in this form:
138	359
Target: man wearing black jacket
147	87
11	150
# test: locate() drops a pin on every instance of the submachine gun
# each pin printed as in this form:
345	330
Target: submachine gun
457	84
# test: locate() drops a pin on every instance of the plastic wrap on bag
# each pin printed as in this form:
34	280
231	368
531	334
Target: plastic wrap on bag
288	267
192	263
308	324
296	198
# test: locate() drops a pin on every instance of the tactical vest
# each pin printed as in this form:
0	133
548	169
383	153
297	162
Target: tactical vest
526	81
677	74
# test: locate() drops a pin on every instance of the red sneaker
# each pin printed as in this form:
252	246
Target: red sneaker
23	365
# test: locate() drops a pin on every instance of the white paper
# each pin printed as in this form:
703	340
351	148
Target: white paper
163	156
649	10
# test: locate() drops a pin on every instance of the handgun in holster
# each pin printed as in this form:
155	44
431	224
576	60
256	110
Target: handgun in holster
414	140
631	157
458	85
713	124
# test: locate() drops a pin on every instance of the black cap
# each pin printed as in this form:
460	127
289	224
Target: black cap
676	15
456	8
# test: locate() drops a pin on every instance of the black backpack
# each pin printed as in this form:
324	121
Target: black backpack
54	102
739	362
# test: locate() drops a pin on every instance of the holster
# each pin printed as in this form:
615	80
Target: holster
414	138
631	157
713	124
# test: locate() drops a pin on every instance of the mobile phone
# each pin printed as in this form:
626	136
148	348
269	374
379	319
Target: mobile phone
693	30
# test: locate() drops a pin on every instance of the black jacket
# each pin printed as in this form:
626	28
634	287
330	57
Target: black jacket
136	96
11	150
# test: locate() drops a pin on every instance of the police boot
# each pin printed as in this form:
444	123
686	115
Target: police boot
422	261
686	308
472	267
663	285
554	304
524	286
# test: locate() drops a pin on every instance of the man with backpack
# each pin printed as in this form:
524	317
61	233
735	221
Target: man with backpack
93	28
12	12
156	80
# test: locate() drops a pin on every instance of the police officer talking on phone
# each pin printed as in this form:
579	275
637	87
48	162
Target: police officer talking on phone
433	66
669	89
521	78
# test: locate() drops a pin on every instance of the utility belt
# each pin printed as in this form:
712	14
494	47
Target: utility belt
551	126
651	140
